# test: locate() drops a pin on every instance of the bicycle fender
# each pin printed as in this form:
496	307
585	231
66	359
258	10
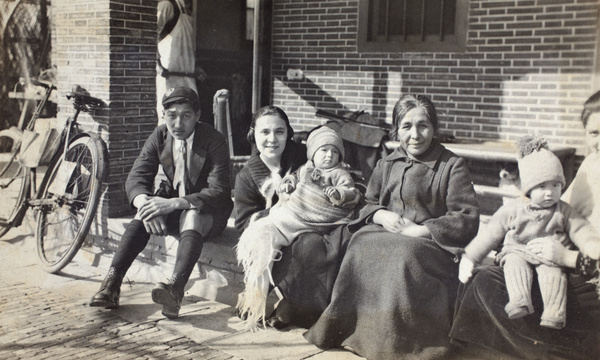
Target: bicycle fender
12	132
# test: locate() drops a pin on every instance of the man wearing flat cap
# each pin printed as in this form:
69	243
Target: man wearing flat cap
194	201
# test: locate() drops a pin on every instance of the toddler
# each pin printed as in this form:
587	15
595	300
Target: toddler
539	214
319	197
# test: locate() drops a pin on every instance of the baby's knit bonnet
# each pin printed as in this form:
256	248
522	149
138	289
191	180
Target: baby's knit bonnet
323	136
537	164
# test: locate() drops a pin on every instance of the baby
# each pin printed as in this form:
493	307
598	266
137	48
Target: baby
538	214
318	198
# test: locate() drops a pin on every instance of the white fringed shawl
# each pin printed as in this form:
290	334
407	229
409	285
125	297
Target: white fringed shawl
304	210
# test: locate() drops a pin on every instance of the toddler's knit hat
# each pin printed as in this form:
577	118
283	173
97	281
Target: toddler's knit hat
537	164
323	136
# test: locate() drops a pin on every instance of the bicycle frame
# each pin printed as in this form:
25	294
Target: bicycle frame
66	199
69	133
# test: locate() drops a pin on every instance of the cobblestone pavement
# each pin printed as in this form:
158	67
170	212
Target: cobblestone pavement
40	324
45	316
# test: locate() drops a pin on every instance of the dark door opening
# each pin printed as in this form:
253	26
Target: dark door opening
225	51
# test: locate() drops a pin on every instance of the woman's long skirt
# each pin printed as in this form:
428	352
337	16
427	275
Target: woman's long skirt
306	273
393	298
481	320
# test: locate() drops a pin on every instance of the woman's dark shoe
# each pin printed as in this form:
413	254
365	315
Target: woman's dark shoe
169	295
274	322
108	295
282	316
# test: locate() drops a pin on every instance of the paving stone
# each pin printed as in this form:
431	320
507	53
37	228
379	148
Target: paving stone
46	316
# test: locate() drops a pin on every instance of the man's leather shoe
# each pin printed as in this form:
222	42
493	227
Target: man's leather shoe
169	296
108	295
105	298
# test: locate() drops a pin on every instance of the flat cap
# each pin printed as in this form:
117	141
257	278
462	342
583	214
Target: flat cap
181	94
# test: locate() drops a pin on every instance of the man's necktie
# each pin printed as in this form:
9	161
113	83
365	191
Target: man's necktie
181	169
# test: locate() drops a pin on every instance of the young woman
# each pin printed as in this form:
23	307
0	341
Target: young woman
480	318
305	273
394	295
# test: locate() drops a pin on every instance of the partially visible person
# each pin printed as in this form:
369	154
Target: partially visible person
318	197
176	58
538	214
480	321
194	202
304	275
583	193
394	294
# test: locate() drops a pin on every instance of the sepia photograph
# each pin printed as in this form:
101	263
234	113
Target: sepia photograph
300	179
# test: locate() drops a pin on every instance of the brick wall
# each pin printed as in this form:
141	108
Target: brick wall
529	66
109	48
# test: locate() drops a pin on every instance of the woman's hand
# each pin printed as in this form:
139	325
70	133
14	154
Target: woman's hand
550	250
288	185
415	230
465	269
390	221
395	223
286	188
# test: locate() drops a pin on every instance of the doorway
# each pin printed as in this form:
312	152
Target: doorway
226	51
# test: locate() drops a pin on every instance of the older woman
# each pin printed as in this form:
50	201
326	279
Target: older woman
394	295
305	273
480	317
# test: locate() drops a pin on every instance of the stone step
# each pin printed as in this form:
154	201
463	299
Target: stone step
217	277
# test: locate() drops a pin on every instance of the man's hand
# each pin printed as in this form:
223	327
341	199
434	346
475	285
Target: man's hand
156	225
152	206
465	269
157	206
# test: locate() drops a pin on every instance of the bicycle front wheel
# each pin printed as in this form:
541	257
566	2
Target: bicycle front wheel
69	202
14	180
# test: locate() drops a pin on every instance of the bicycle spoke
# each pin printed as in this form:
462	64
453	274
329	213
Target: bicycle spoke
69	203
59	224
14	182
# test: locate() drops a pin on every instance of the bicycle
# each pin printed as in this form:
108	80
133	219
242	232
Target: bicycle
66	199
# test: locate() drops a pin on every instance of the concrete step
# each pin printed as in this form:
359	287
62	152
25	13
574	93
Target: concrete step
217	277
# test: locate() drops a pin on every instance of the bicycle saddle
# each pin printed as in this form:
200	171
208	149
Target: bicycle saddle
82	99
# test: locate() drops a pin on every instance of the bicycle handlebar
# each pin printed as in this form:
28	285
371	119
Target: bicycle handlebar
44	84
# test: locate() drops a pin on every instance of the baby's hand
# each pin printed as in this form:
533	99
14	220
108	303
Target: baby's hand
332	193
315	175
465	269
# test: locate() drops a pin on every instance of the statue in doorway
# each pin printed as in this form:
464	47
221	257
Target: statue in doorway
176	60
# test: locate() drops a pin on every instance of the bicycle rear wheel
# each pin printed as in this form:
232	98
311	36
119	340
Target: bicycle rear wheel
14	180
69	202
